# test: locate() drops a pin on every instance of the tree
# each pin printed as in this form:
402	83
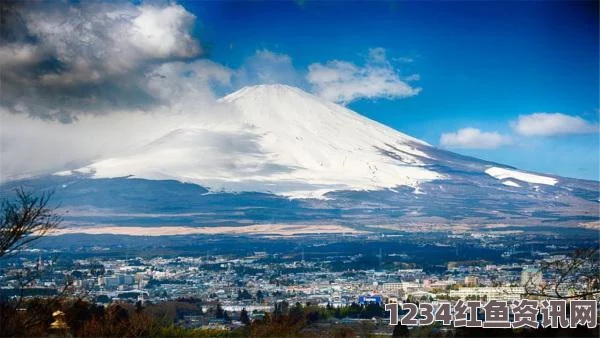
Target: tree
226	316
400	331
219	312
281	309
244	318
259	296
372	310
297	313
244	294
579	273
25	219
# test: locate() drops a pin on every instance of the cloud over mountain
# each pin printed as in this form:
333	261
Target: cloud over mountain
343	81
267	67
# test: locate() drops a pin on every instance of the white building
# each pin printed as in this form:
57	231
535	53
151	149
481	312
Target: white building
490	292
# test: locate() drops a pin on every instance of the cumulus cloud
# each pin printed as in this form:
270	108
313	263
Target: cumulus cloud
343	81
61	59
267	67
175	84
474	138
550	124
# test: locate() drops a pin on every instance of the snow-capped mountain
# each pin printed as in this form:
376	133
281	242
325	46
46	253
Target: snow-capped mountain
291	143
282	142
285	141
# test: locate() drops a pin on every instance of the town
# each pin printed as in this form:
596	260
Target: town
224	290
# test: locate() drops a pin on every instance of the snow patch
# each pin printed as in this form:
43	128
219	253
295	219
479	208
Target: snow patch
63	173
511	183
503	173
418	191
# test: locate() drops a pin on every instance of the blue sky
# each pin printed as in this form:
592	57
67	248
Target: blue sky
480	65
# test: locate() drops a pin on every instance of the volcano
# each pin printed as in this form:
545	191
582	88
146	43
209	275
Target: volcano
287	154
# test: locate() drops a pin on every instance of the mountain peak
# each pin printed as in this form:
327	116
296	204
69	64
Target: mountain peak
274	87
271	92
292	105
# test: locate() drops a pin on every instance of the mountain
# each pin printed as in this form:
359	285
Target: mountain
285	141
280	142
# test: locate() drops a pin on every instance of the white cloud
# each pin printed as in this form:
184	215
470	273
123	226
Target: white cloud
550	124
271	56
267	67
175	83
378	55
163	32
474	138
343	81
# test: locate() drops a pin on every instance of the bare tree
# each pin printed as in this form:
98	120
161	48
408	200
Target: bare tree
24	219
575	276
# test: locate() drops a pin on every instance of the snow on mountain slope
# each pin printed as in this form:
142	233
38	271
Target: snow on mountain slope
511	183
503	173
285	141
